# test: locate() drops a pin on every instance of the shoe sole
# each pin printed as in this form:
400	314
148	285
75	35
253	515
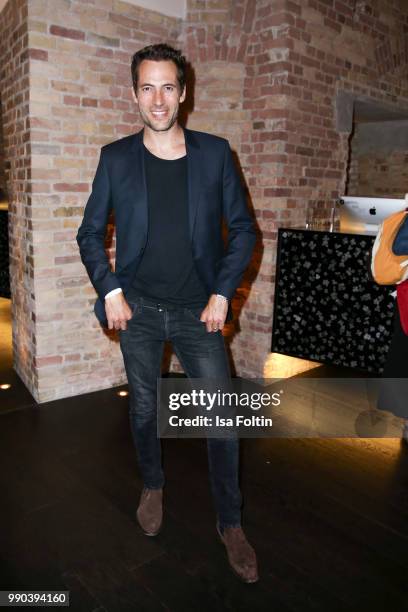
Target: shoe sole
230	566
151	534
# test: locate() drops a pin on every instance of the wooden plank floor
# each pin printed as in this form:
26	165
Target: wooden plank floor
328	518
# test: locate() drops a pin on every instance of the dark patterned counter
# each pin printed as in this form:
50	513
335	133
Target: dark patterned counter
4	255
327	308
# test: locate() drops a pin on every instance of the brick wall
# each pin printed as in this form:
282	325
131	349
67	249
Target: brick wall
79	99
3	186
267	74
216	37
14	62
301	55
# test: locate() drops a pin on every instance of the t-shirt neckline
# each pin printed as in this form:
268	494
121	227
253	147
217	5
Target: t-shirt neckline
162	159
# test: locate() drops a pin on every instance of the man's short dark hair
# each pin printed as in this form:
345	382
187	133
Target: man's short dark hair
158	53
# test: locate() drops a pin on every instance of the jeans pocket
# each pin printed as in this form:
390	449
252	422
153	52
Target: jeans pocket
195	313
135	308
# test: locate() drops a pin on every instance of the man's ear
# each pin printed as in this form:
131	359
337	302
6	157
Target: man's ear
134	96
183	95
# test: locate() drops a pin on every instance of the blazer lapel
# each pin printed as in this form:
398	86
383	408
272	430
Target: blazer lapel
193	176
137	172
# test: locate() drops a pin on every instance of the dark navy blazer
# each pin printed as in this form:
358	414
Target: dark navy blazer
214	193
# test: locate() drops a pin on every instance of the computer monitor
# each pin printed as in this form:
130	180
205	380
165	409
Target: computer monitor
365	214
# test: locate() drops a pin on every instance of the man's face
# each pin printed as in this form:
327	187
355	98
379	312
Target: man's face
158	94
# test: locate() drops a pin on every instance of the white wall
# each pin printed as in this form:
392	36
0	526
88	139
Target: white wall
174	8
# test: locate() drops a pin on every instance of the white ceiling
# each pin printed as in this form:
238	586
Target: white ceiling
174	8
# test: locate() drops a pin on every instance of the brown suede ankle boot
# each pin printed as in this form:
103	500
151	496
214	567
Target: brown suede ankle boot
241	555
150	511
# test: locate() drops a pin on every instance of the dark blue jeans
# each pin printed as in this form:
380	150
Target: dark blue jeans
202	355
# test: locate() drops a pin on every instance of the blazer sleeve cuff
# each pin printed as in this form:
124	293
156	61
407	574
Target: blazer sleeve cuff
105	285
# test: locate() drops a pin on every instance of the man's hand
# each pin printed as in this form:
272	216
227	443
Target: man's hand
118	311
215	313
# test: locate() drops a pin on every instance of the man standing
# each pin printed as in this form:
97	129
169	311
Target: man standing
170	188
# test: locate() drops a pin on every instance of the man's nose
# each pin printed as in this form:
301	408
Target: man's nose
158	97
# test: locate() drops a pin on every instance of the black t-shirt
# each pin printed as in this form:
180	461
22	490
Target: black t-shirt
167	273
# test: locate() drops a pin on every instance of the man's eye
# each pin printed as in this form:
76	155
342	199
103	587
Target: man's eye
145	89
169	87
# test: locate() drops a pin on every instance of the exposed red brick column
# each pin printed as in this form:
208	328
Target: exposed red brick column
266	163
81	100
14	87
217	37
76	80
